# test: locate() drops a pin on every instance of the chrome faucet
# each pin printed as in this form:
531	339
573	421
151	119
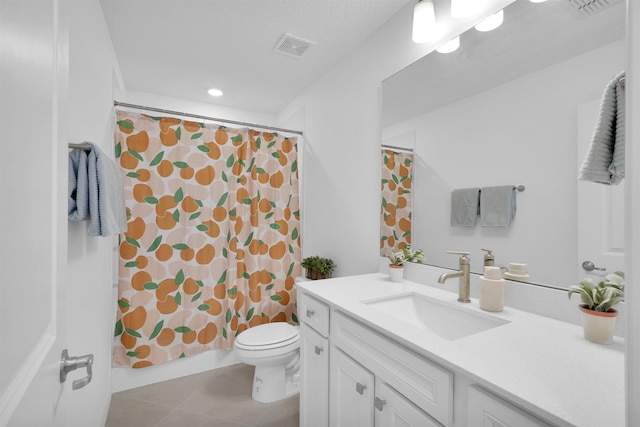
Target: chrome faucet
463	276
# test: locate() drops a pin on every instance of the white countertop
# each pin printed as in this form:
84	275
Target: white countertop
543	365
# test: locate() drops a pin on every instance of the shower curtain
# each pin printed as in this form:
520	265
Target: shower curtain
213	240
395	209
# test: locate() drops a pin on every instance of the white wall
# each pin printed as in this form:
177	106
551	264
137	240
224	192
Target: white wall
341	113
523	132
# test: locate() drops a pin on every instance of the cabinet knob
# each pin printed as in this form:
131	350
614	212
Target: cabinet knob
360	388
379	403
310	312
318	350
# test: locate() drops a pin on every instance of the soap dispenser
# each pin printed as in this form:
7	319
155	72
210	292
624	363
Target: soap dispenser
491	289
489	259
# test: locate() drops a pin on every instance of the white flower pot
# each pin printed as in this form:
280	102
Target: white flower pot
396	272
598	326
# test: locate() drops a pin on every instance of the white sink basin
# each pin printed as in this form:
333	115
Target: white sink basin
441	318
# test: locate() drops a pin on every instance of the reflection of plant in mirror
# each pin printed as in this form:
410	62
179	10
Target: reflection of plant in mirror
603	296
401	256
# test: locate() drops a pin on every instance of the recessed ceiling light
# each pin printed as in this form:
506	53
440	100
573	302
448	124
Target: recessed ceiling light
215	92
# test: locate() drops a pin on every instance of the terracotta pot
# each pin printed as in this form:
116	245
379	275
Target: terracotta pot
396	272
598	326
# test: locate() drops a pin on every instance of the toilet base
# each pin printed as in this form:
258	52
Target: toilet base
279	386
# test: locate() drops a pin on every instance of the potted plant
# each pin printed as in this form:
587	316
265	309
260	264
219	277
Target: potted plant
399	257
318	268
598	314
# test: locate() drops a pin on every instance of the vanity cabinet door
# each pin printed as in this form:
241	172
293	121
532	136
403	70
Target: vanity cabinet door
351	392
486	410
314	387
394	410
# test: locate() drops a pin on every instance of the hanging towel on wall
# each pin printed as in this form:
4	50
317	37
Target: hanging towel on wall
96	192
497	206
464	207
604	162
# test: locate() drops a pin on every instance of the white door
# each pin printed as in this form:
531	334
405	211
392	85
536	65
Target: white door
33	224
600	210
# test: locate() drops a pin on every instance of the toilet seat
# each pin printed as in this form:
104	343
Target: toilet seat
268	336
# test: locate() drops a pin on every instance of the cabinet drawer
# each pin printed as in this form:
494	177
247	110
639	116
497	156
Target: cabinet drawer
424	383
486	409
313	313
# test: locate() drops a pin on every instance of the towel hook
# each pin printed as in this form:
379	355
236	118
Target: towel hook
520	188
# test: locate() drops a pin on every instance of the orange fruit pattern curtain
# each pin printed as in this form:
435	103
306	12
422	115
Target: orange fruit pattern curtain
213	240
395	210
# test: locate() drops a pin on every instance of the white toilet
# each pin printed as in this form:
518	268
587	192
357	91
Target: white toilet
274	349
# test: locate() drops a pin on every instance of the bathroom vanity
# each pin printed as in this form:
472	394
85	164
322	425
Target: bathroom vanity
378	353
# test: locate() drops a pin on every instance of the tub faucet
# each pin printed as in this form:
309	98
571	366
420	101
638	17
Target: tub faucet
462	274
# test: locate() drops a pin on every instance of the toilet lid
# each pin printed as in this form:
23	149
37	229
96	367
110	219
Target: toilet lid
268	335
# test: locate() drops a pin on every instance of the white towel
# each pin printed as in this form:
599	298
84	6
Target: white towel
96	192
464	207
604	162
497	206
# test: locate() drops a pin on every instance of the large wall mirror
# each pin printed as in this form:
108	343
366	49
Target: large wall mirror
514	106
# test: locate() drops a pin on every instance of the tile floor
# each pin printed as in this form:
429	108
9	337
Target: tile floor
217	398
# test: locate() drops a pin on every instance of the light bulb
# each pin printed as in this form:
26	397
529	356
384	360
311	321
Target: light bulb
424	22
214	92
450	46
491	23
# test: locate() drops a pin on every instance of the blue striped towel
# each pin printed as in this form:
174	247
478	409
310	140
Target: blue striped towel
604	162
96	192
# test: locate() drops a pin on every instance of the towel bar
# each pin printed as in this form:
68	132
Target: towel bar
82	147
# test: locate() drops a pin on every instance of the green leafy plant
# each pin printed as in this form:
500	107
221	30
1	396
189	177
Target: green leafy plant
401	256
317	265
603	296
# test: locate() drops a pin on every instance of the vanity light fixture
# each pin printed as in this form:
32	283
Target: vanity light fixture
450	46
424	22
214	92
465	8
491	23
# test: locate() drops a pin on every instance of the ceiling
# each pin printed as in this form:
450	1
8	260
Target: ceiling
182	48
533	36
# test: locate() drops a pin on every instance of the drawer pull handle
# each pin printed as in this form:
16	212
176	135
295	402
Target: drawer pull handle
310	312
318	350
379	403
360	388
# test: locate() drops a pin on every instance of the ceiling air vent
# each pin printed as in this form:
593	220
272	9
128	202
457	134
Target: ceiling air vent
291	45
589	7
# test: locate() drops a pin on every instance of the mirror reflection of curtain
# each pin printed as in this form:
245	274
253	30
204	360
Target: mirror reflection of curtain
395	209
213	240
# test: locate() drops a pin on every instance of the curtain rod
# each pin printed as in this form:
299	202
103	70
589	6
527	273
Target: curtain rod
196	116
393	147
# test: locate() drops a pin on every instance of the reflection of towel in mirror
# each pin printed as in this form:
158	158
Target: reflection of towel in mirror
497	206
96	192
604	162
464	207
